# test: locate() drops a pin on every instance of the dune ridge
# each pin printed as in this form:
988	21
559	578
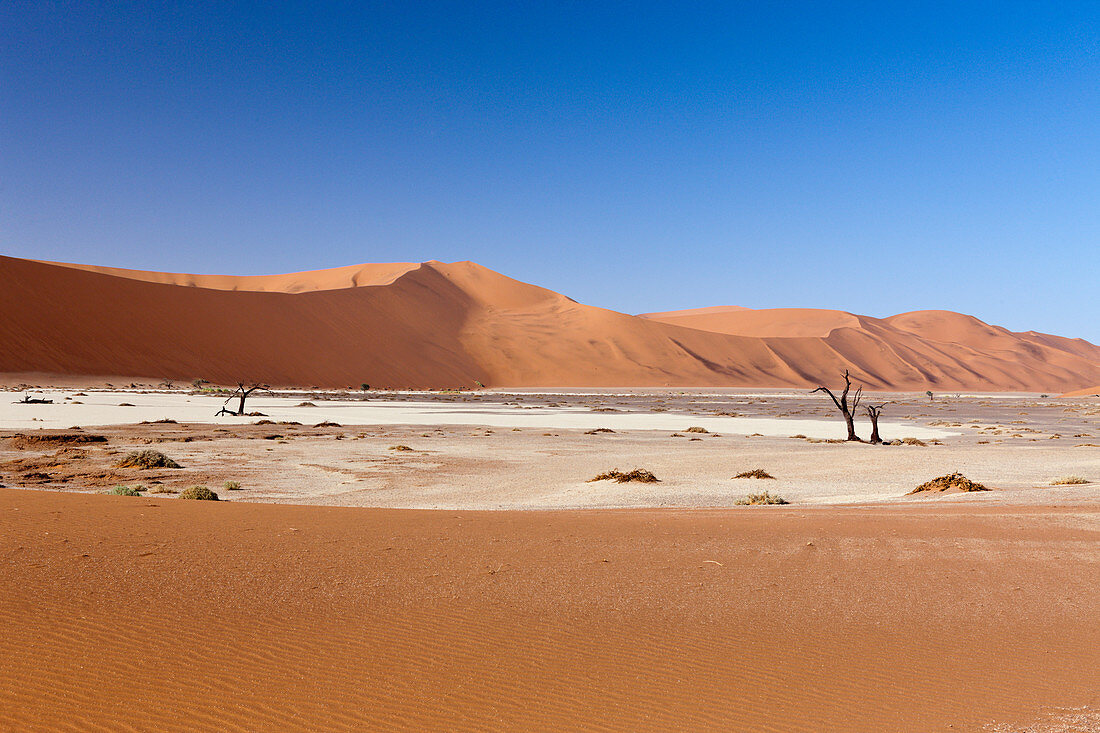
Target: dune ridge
457	324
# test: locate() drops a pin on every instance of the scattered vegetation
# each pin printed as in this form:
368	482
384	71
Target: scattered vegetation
755	473
305	404
400	447
200	493
147	459
594	431
696	430
162	421
126	491
327	424
761	498
232	486
638	474
21	442
951	481
1069	481
163	490
914	441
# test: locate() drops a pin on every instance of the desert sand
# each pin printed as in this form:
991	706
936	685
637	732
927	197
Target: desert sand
152	613
413	560
459	324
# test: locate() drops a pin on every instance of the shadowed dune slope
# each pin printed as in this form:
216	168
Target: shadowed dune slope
451	324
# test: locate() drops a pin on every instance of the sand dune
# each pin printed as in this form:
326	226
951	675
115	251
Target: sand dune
153	614
1087	392
456	324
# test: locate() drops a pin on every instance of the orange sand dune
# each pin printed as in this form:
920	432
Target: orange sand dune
1087	392
296	282
456	324
158	614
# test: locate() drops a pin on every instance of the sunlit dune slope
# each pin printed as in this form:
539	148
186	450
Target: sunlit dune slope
455	324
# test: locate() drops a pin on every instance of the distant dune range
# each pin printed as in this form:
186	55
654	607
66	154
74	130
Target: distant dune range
447	325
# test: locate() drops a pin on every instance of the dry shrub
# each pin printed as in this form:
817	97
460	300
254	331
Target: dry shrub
126	490
696	430
951	481
598	430
761	498
22	442
200	493
914	441
755	473
147	459
163	490
327	424
400	447
232	485
1069	481
638	474
162	421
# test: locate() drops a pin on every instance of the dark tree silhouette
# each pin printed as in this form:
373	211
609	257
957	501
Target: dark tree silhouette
842	404
242	392
873	411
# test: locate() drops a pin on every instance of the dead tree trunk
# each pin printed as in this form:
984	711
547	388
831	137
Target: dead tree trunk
873	411
842	404
242	393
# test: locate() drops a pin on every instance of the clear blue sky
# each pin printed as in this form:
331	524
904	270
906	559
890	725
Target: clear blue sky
870	157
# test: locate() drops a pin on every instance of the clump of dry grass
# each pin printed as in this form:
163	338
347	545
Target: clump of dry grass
147	459
594	431
950	481
696	430
163	490
232	485
200	493
305	404
126	490
755	473
400	447
1069	481
914	441
327	424
638	474
761	498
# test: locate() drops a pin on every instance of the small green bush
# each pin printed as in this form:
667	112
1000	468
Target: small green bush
199	492
231	485
126	491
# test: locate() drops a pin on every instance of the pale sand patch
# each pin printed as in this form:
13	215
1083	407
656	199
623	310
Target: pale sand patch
102	408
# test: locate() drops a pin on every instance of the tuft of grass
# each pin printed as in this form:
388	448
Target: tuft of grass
594	431
200	493
327	424
147	459
126	491
163	490
696	430
755	473
400	447
761	498
799	436
232	485
1069	481
914	441
950	481
638	474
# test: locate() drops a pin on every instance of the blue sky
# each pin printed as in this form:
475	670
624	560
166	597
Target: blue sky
870	157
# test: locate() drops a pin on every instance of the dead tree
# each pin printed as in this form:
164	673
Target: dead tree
843	406
241	393
873	411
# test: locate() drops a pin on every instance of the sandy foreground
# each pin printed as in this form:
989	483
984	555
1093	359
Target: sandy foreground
150	614
637	607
